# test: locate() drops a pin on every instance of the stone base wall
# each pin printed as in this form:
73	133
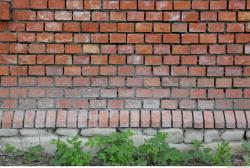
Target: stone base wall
178	138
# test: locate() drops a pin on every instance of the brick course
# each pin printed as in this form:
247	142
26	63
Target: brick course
125	63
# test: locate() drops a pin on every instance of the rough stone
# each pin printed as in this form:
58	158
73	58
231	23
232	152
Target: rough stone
136	131
149	131
15	141
67	132
232	135
192	134
211	136
8	132
181	146
174	135
139	139
97	131
248	134
236	147
35	132
44	141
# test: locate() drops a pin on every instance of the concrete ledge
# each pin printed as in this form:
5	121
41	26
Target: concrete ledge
125	119
179	138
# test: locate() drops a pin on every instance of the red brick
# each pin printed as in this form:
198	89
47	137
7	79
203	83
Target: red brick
53	26
143	27
39	4
92	4
7	119
171	38
45	37
164	5
103	118
145	118
234	48
74	4
146	5
82	118
128	5
153	16
187	119
235	27
216	5
50	119
197	27
124	118
36	70
20	4
161	49
134	38
4	70
61	118
161	27
243	16
190	16
107	27
135	16
219	119
18	118
226	38
166	118
200	5
182	5
108	49
111	4
18	48
242	38
180	49
169	104
198	49
171	16
5	11
208	119
18	70
236	4
177	118
230	119
155	118
227	16
114	118
10	59
143	49
134	118
40	119
56	4
240	119
72	118
45	15
208	16
198	119
71	27
118	16
100	16
29	118
24	15
179	27
189	38
8	37
248	118
153	60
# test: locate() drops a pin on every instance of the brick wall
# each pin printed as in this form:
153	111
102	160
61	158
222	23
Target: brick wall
124	60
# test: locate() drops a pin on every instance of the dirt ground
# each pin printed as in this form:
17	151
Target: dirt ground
20	161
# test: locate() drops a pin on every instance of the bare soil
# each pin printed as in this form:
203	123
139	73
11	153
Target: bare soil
6	160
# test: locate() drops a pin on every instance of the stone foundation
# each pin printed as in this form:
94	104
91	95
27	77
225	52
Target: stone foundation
178	138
